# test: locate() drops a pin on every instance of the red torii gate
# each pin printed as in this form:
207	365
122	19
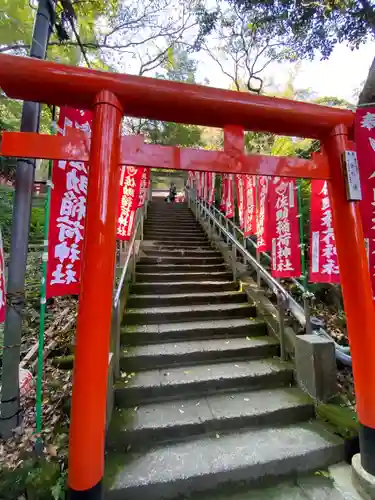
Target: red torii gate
113	95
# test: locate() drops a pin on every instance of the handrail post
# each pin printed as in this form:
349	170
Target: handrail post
281	307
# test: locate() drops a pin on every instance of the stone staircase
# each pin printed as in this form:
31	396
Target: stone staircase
204	401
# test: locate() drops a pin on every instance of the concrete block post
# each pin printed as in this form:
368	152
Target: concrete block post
316	366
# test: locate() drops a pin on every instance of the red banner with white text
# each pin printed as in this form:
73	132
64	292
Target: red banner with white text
223	192
241	202
145	183
2	282
249	205
67	212
323	256
262	215
128	199
365	145
211	187
284	228
229	202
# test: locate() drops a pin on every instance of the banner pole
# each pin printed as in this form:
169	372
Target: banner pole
43	286
306	296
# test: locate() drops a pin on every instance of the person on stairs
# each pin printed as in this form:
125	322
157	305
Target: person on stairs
172	194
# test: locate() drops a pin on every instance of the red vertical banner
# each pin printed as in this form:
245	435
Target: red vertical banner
2	282
67	212
211	187
250	220
223	192
205	185
323	257
284	228
229	202
144	186
190	179
262	215
240	192
365	145
130	184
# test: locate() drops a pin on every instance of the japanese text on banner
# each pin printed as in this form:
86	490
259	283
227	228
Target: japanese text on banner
323	257
2	282
262	215
284	228
250	205
241	200
145	180
229	203
223	192
365	145
130	184
211	187
68	211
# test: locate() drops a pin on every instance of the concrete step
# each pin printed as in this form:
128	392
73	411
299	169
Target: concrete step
188	352
159	239
157	315
143	426
184	298
182	260
183	287
150	268
184	276
177	228
198	380
171	332
208	463
182	252
159	243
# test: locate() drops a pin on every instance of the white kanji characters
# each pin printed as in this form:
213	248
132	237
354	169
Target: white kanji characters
62	251
58	276
368	121
69	229
325	203
282	213
78	165
283	227
324	189
327	219
329	236
70	274
62	164
72	181
74	253
330	267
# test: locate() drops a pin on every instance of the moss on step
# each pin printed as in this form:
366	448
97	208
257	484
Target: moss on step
114	463
340	418
64	362
37	479
121	419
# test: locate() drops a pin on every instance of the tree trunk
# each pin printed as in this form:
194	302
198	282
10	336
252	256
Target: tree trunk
367	95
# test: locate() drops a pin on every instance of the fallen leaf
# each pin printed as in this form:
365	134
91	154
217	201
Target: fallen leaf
217	435
181	411
246	399
52	450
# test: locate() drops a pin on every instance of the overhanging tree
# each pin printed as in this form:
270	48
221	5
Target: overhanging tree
317	27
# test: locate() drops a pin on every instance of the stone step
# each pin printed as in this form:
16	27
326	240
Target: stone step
207	463
178	229
176	299
188	352
181	260
171	332
143	426
183	287
158	243
150	268
163	217
203	379
177	241
175	252
157	315
184	276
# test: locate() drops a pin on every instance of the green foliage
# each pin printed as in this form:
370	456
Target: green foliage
39	480
6	207
314	26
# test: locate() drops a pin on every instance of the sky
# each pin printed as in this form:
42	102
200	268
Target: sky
340	76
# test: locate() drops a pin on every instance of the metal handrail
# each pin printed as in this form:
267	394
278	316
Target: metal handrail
273	284
126	263
342	353
265	254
